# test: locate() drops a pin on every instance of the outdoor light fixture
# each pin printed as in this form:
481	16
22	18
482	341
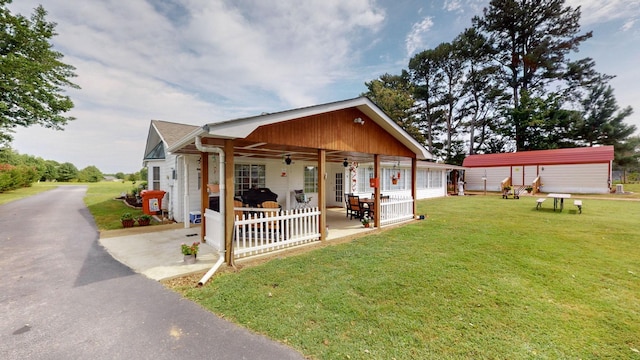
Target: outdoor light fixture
345	163
288	160
358	121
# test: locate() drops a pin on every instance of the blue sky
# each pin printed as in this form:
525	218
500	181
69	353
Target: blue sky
200	61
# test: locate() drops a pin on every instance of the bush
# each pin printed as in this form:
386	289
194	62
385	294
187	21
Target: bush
15	177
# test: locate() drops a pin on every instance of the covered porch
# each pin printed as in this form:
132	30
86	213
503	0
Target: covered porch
311	149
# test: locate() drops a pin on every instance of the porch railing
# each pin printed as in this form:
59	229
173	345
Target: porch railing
395	210
214	234
263	232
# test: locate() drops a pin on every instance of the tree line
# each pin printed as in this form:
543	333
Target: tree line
21	170
508	83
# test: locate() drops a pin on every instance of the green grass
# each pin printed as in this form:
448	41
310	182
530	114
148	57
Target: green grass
106	211
100	200
481	277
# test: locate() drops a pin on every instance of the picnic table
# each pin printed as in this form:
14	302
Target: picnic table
558	198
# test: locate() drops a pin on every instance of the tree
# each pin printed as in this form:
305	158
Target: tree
51	170
90	174
531	41
394	95
425	74
452	68
483	95
627	156
33	76
602	119
67	172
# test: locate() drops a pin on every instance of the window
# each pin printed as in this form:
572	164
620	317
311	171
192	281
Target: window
339	187
364	174
248	176
155	181
421	179
310	179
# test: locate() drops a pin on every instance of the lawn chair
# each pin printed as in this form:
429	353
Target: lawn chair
302	200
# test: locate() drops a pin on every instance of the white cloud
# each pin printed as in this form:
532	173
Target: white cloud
452	5
628	25
598	11
416	38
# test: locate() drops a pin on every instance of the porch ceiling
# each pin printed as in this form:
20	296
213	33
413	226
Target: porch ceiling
244	149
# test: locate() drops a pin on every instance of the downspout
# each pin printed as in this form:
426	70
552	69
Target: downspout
222	177
185	195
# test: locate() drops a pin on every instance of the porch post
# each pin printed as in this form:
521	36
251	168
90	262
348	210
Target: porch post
376	201
414	187
204	194
228	192
322	201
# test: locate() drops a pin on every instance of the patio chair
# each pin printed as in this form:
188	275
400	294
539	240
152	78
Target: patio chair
302	200
353	208
274	209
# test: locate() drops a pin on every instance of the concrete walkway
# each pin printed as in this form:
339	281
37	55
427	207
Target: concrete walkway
154	251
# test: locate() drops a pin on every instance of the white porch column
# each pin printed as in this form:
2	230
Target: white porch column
185	195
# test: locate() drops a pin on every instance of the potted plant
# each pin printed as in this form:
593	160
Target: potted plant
127	220
144	220
214	188
529	189
190	252
365	221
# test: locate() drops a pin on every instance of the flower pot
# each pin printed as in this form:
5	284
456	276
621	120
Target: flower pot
367	225
394	181
128	223
190	259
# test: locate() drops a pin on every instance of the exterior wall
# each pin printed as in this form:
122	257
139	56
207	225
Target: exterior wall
578	178
281	185
575	178
167	183
387	187
495	175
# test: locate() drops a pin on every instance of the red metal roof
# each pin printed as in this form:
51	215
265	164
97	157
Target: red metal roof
582	155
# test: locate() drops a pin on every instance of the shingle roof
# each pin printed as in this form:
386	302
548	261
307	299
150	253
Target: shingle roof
172	132
582	155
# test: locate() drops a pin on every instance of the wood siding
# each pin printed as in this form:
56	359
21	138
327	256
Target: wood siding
332	131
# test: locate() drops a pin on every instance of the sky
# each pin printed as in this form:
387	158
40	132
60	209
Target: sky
202	61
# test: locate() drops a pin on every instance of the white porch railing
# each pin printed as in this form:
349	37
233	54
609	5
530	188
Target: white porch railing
395	210
264	232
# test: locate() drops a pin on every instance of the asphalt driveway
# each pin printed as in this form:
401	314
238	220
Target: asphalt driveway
62	296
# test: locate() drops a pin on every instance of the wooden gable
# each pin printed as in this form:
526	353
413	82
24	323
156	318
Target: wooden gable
335	130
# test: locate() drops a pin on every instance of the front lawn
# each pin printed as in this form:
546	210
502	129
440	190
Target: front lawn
481	277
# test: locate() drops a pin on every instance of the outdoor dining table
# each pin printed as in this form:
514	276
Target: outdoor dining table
557	197
371	203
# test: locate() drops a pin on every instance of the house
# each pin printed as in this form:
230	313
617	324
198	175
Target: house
324	152
163	166
584	170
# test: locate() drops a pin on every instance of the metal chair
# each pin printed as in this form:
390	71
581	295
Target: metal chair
302	200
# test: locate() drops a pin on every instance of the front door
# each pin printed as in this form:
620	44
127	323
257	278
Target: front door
517	176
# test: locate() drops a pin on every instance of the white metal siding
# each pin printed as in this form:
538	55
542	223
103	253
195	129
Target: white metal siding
578	178
495	175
